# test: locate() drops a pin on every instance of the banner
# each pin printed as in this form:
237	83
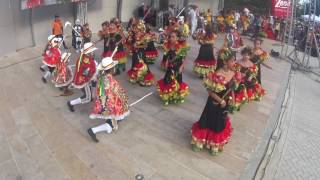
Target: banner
280	8
27	4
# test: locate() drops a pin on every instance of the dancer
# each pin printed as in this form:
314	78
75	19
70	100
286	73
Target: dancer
213	130
205	61
233	40
116	39
87	33
140	72
249	89
171	88
151	51
85	73
259	57
62	75
111	100
103	34
51	57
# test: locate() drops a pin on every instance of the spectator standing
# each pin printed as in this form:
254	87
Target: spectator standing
87	33
193	19
142	11
57	29
277	29
209	16
237	19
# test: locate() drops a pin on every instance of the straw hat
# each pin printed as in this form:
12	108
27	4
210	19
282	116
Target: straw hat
53	40
51	37
88	48
106	64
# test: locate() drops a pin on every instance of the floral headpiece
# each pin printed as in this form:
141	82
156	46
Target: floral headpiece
224	54
141	26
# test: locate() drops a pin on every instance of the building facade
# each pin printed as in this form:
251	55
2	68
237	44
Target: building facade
30	27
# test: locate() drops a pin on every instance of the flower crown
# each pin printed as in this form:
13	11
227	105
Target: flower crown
224	54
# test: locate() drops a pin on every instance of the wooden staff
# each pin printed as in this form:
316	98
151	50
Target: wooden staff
146	14
180	12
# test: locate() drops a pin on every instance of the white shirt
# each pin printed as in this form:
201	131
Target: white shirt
193	15
237	16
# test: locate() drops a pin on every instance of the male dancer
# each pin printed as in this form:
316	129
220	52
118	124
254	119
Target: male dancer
85	73
51	56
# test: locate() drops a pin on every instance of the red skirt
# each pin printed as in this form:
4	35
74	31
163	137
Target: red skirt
241	98
167	92
148	79
183	90
152	54
256	92
208	138
117	57
202	67
205	63
132	75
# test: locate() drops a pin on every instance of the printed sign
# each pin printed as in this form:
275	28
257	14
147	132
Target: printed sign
280	8
27	4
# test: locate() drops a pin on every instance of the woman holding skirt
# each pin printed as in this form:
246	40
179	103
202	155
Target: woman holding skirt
213	129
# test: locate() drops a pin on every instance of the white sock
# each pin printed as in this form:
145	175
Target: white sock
75	101
101	128
47	74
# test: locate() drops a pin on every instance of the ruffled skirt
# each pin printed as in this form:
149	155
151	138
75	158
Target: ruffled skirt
140	74
173	92
151	53
207	138
62	77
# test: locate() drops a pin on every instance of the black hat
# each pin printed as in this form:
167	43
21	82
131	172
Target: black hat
56	16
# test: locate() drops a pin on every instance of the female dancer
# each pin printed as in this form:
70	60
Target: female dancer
140	72
151	51
259	57
249	89
116	39
205	61
171	88
213	130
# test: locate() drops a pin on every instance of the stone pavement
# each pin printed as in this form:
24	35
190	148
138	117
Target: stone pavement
296	152
40	139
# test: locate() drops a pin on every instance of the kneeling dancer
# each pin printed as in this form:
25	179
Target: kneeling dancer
111	100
